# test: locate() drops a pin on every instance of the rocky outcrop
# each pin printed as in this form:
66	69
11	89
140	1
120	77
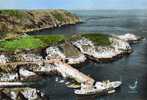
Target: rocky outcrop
106	53
129	37
29	57
86	46
8	76
76	60
25	73
32	20
117	48
3	59
119	44
22	94
103	53
55	52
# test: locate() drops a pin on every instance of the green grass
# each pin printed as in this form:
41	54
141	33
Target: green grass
98	39
30	42
20	43
50	39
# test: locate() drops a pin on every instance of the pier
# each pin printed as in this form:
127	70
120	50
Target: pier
65	70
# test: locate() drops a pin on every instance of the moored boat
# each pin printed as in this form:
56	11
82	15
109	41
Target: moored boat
105	87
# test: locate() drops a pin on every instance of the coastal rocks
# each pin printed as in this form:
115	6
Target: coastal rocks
25	73
56	63
22	94
47	68
76	60
30	58
8	76
3	59
54	53
129	37
20	73
103	53
119	44
106	53
86	46
31	94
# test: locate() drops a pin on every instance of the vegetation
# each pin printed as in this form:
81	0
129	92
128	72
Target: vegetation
29	20
16	13
98	39
42	41
69	50
50	39
29	42
26	42
59	16
9	35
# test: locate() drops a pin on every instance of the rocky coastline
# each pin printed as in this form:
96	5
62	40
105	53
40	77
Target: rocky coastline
28	66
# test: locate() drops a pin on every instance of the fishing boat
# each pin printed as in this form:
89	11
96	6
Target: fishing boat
105	87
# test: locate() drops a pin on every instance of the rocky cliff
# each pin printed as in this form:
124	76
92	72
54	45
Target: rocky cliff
30	20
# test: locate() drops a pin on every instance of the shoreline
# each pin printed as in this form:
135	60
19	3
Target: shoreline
57	63
49	27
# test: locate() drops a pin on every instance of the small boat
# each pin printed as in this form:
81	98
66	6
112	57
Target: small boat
74	86
111	91
99	88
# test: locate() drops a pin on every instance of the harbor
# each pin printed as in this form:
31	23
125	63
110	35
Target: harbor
59	61
56	64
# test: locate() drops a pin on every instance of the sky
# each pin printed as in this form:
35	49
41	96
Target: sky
73	4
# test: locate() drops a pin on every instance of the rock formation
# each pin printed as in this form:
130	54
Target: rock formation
22	94
103	53
129	37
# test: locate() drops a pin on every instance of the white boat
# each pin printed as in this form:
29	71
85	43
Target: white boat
108	84
100	87
88	92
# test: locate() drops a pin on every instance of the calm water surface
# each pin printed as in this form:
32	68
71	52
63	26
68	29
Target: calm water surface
130	69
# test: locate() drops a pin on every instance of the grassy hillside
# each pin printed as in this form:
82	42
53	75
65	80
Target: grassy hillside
29	20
